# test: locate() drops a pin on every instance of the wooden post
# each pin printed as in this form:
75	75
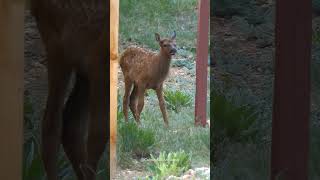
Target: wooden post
11	88
114	30
290	126
202	63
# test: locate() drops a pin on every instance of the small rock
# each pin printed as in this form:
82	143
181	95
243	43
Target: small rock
191	172
187	177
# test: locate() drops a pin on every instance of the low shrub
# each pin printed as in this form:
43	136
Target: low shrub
232	121
176	100
134	140
167	164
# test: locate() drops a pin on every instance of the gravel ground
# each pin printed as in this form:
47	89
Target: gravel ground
200	173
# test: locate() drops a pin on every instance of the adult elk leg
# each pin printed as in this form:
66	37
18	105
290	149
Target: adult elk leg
98	125
162	105
58	78
75	122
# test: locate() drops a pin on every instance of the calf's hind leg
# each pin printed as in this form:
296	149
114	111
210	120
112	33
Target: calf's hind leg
140	94
133	101
128	85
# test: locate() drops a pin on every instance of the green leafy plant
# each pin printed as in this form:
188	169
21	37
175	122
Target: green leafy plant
231	121
314	159
134	140
316	37
176	100
32	162
33	166
173	163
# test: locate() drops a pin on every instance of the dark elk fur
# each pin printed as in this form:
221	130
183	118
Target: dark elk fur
74	33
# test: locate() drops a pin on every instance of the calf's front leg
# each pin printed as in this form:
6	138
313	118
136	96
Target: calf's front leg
162	105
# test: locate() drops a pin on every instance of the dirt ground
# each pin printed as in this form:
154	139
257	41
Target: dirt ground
247	63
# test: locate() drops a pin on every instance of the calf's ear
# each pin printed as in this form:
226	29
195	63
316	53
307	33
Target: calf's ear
157	37
173	36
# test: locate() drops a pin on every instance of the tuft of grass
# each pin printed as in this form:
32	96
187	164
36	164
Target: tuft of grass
316	37
232	121
314	158
136	141
32	164
176	100
181	134
172	163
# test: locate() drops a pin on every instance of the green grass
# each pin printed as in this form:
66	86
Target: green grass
236	157
181	134
140	19
251	161
136	141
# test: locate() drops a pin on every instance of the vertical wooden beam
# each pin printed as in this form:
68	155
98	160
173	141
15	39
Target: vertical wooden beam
202	63
114	30
290	126
11	88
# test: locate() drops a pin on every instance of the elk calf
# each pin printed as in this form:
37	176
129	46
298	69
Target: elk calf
144	70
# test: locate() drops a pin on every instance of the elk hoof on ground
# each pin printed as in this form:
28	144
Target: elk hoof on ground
87	171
